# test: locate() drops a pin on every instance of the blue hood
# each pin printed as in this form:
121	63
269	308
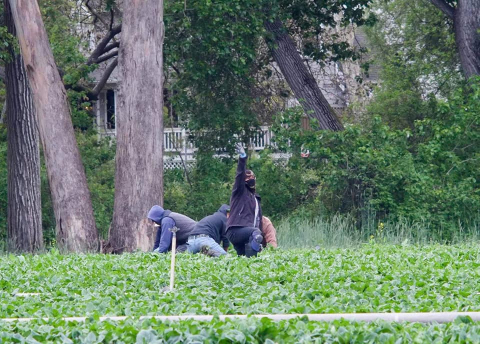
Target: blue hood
224	208
156	213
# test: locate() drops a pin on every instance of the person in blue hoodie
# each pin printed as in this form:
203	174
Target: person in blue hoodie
165	220
209	232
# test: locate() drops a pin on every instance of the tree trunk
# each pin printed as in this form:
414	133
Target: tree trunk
300	80
139	158
467	35
24	207
75	223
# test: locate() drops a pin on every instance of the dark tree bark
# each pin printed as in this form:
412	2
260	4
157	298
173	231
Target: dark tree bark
466	22
299	78
75	224
467	35
24	209
139	158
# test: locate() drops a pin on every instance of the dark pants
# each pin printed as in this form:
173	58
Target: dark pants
182	248
239	237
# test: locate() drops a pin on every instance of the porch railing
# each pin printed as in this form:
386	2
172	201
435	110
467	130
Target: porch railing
178	148
176	140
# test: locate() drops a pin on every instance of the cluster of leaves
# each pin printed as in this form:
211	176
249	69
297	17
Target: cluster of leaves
216	50
300	330
371	278
414	45
428	172
210	49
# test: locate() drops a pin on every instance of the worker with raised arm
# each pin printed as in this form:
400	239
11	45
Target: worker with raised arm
245	221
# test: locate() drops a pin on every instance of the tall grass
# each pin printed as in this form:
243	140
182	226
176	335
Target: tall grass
343	231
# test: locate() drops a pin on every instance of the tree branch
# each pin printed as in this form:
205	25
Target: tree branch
100	49
111	46
101	83
112	17
95	14
444	7
176	69
106	57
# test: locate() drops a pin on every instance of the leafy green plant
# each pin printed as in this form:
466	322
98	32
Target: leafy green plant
428	173
368	278
252	330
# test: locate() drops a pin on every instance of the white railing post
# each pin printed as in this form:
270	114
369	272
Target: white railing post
184	142
176	141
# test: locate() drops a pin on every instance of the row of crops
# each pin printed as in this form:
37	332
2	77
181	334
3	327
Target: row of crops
247	331
372	278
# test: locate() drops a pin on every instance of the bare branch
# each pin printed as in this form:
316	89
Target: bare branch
112	17
110	47
176	69
106	57
101	83
444	7
100	49
95	14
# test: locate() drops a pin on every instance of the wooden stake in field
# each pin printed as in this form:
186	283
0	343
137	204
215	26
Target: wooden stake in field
174	230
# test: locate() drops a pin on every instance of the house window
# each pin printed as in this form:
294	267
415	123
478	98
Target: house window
110	120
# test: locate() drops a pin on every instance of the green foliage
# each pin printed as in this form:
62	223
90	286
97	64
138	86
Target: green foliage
415	47
210	187
8	42
98	157
217	53
68	50
212	45
429	172
251	330
369	278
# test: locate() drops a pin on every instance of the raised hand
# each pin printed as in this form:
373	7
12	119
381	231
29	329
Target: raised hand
240	150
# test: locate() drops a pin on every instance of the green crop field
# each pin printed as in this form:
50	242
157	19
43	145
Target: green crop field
370	278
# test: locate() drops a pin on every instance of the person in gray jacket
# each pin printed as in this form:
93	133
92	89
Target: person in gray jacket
209	233
165	220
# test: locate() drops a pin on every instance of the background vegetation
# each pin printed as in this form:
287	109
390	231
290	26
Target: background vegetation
407	163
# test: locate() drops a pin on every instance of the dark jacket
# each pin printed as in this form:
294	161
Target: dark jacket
168	219
214	226
242	201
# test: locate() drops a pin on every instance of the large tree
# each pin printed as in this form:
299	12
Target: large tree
465	15
214	52
24	215
75	223
300	78
139	158
217	57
